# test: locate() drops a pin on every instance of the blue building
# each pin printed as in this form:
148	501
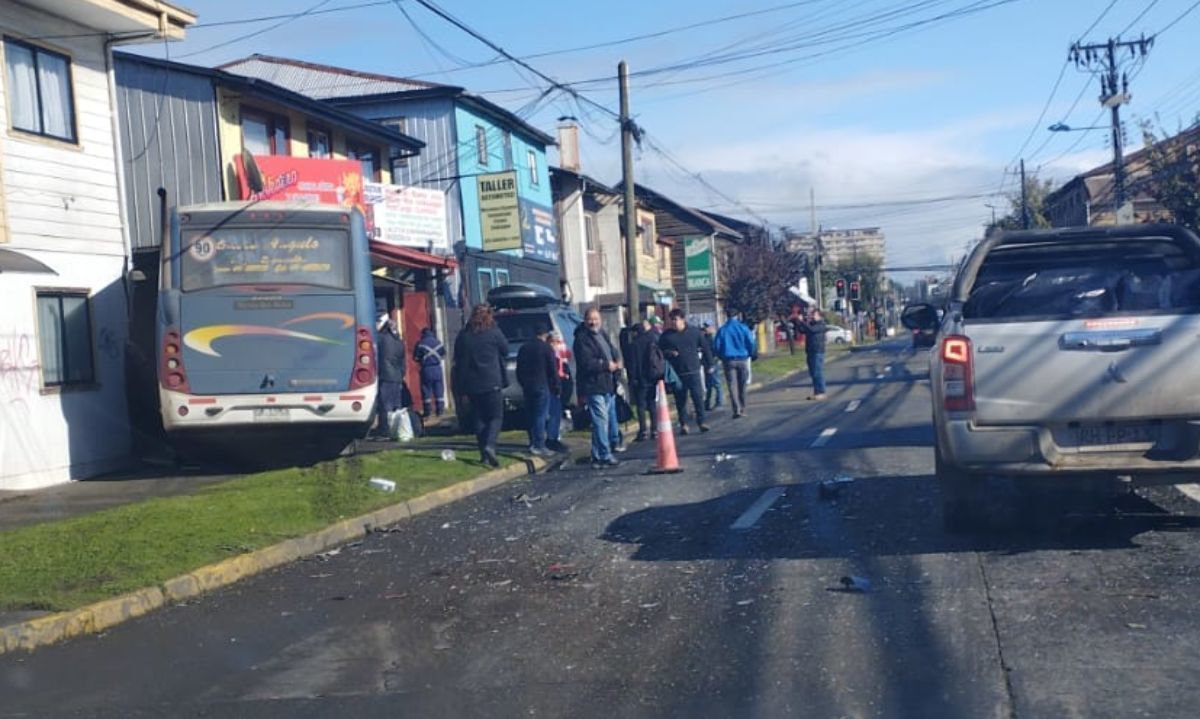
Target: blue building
469	142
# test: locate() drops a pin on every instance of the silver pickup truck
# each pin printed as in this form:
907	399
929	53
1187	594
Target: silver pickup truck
1066	360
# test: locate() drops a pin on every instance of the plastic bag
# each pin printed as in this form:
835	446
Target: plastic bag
400	425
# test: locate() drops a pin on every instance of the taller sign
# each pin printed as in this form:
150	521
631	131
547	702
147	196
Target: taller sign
499	211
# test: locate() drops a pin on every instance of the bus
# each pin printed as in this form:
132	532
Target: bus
265	331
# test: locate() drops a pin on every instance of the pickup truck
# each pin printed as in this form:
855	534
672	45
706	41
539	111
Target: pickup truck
1065	362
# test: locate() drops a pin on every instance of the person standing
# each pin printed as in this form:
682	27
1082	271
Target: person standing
736	347
479	355
429	355
537	372
814	350
561	399
683	348
712	380
644	366
597	363
392	366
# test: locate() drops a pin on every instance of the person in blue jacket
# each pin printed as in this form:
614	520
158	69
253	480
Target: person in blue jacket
736	347
429	354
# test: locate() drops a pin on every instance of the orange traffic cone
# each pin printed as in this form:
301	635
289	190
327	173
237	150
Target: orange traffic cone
668	462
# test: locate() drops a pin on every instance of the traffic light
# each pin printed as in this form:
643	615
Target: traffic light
840	284
854	291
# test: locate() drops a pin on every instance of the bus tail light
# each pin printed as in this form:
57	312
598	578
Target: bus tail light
363	373
171	371
958	375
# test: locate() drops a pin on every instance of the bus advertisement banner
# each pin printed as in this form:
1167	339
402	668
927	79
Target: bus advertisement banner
407	216
305	179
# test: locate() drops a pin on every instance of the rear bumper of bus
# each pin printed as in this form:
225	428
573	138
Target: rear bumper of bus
186	412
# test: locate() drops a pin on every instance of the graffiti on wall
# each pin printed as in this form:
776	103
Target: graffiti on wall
20	373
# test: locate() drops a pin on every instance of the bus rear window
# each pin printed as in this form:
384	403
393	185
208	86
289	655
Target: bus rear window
237	256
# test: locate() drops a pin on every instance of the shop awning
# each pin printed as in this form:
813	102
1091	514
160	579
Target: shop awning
396	256
13	261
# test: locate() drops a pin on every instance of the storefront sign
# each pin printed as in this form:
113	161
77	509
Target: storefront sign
698	262
305	179
499	211
407	216
538	232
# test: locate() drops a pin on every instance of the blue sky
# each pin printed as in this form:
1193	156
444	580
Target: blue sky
937	111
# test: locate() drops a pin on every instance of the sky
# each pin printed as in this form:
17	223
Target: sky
881	109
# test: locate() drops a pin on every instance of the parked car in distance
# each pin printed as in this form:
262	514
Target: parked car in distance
519	309
1063	364
838	336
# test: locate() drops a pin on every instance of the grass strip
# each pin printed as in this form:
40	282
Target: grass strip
66	564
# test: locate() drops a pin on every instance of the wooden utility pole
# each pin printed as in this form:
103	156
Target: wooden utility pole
1024	199
631	224
812	226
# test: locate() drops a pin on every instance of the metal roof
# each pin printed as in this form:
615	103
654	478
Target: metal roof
322	82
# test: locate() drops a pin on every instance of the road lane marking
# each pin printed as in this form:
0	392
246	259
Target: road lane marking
854	405
756	511
1190	490
826	435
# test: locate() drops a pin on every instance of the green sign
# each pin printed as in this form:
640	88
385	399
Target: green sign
499	211
697	253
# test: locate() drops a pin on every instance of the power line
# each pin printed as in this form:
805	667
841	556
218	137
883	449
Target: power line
1141	15
262	31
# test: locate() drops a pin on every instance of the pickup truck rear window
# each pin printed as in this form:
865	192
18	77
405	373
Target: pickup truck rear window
1085	279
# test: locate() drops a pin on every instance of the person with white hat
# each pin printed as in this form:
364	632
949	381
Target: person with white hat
392	366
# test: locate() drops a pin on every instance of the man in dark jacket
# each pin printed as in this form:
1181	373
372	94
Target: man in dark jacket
643	377
537	372
683	348
429	355
712	378
479	356
597	363
814	350
392	367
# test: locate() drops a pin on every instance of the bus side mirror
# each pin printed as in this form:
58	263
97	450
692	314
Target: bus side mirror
137	276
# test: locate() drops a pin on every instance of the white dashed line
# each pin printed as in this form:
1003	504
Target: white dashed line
879	376
1192	491
826	435
854	405
756	511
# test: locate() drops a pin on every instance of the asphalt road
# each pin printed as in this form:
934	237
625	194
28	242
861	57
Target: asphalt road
713	593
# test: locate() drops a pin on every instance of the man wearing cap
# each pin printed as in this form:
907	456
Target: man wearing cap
392	366
537	373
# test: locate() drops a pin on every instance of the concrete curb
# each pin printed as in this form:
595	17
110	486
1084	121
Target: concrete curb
97	617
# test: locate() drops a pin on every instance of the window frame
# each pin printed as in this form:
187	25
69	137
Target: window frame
59	293
507	277
36	49
534	170
273	122
480	273
355	151
320	130
481	146
400	125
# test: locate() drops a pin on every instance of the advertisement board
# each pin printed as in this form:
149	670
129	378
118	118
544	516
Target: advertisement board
499	211
305	179
698	262
538	232
407	216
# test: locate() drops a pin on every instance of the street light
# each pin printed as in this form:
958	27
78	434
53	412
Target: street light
1063	127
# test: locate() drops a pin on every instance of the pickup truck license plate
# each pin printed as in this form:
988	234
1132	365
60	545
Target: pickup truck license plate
270	414
1104	435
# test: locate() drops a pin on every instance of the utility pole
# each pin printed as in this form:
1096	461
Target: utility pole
1024	199
628	134
812	226
1107	58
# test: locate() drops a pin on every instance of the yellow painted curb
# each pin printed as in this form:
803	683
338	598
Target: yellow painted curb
97	617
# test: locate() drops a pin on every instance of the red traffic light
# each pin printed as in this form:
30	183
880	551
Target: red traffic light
840	284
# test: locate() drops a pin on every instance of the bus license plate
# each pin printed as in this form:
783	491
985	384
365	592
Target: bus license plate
270	414
1107	435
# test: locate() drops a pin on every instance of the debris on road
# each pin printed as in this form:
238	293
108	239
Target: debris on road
744	602
831	488
326	556
725	457
561	572
649	605
385	485
855	585
497	585
448	455
529	499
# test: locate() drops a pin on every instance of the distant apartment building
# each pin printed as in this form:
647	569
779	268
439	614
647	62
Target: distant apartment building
837	246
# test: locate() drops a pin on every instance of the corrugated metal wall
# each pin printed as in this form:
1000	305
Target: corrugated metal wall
168	123
432	122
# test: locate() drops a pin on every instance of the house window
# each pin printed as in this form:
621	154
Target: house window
508	155
65	333
481	149
591	233
502	278
486	283
264	134
369	158
533	168
319	146
400	125
39	87
662	258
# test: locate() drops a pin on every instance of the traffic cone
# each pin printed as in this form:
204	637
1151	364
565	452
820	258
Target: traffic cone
668	462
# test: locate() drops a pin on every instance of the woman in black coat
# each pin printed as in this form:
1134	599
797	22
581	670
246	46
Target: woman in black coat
479	356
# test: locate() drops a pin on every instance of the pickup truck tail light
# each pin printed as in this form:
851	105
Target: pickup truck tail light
958	375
